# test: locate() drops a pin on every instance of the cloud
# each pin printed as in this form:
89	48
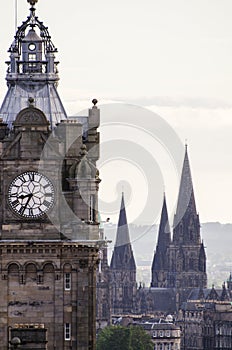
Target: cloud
177	102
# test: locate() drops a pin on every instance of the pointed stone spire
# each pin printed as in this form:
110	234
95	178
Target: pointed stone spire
187	252
202	258
160	264
186	220
123	268
229	283
122	237
186	200
123	254
164	235
213	295
225	295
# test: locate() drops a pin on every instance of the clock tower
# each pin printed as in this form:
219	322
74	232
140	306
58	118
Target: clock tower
49	231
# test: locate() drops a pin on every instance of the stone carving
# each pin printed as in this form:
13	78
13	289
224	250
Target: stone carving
31	116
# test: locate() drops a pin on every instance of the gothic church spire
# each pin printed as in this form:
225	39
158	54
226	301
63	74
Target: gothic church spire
123	254
186	199
123	268
160	261
122	237
186	220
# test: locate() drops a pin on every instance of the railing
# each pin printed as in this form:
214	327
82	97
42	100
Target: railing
31	67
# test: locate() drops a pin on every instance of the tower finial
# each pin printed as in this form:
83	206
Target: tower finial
32	2
32	9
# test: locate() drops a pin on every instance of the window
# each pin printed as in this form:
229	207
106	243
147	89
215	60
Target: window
67	281
161	334
168	333
32	58
92	208
67	331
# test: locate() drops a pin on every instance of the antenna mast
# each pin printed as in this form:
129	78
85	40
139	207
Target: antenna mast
16	15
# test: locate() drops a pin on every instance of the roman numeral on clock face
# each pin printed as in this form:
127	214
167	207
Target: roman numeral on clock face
31	176
30	211
46	203
48	194
22	178
15	203
21	210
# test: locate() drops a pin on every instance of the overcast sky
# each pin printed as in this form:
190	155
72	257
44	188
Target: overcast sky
170	56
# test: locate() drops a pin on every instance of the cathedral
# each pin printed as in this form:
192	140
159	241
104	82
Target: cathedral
179	263
178	269
49	230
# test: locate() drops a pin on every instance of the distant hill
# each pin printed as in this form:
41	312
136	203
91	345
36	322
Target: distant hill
217	240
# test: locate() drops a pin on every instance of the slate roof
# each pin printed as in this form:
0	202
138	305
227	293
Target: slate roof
163	299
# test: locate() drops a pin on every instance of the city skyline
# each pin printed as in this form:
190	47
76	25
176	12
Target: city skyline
172	58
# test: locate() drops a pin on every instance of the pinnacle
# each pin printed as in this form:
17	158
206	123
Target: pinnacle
186	199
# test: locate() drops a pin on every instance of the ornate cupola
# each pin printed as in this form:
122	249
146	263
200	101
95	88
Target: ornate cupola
32	72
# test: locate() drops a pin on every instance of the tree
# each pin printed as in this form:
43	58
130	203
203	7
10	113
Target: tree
124	338
140	340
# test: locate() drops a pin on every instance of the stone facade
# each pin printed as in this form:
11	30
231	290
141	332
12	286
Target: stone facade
103	288
166	336
206	324
49	230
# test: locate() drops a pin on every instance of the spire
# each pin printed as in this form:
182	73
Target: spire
202	258
229	283
213	295
122	231
123	255
225	295
186	199
164	235
160	264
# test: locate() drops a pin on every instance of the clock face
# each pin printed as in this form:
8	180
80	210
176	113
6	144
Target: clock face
31	194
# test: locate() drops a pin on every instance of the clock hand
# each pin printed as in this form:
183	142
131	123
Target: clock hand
25	196
29	198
